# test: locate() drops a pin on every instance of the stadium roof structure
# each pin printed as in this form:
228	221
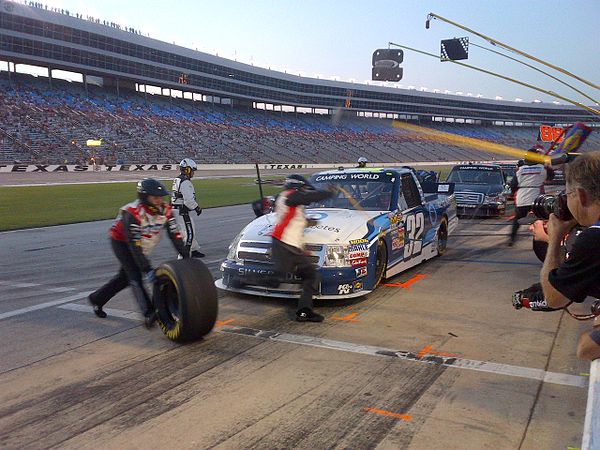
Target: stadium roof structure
31	35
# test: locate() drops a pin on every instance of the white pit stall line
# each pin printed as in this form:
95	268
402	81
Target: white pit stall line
18	285
311	341
131	315
18	312
14	284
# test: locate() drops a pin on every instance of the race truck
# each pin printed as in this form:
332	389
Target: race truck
480	189
380	223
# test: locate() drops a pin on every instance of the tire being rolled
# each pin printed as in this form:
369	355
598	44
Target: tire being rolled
185	299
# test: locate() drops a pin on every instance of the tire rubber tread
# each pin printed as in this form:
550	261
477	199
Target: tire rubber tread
197	300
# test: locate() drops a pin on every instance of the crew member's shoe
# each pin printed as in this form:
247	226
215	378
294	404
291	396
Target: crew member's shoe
197	254
97	308
517	299
308	315
149	319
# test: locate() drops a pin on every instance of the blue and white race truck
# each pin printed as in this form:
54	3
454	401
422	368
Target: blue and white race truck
382	222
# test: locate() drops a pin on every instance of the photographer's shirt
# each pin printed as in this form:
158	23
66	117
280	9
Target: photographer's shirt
579	276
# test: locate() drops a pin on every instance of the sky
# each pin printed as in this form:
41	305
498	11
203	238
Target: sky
335	39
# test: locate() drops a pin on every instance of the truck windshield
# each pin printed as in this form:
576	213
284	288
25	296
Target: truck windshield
366	191
473	175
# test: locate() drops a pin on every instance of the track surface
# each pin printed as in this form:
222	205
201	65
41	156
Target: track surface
70	380
35	178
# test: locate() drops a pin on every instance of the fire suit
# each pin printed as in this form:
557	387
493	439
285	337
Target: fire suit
288	240
184	200
528	183
133	235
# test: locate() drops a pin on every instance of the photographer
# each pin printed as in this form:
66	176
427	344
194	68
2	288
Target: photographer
578	276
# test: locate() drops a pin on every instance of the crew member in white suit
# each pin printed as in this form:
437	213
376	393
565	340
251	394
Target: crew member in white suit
184	201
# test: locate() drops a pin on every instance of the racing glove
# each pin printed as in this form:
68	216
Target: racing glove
198	210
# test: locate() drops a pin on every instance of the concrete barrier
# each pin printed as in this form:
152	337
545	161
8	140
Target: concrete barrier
73	168
591	429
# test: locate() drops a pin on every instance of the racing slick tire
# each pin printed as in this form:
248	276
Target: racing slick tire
185	299
442	237
380	262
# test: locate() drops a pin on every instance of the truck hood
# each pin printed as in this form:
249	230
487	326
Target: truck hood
335	226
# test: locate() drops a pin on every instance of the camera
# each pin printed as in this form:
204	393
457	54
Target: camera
546	204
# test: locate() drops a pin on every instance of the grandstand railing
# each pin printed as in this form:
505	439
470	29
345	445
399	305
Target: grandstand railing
16	141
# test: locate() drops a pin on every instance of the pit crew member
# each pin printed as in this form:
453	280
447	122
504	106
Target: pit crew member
133	235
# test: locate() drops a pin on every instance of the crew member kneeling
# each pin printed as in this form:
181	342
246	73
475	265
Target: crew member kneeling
288	241
578	276
133	235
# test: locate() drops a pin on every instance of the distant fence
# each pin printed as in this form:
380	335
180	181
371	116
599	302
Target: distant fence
591	429
72	168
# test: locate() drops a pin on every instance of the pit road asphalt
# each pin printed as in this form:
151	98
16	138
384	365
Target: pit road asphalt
371	376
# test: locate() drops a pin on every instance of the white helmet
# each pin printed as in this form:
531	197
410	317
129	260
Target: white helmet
362	161
188	166
188	162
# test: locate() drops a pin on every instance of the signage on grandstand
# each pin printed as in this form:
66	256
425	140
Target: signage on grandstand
550	134
286	166
83	168
41	168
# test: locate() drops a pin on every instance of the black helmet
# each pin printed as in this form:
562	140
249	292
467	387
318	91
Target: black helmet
150	186
296	181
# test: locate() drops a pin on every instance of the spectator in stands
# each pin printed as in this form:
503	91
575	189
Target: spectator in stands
528	183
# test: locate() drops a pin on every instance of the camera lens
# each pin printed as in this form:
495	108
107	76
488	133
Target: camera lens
546	204
543	206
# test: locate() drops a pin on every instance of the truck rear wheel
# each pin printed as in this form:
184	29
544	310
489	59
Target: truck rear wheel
442	237
185	299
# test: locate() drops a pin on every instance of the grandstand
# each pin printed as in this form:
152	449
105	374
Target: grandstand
218	120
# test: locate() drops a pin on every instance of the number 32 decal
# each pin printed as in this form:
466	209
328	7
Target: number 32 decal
414	227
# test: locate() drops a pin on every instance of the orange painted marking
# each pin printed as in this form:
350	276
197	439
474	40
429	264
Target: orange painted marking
424	351
427	351
349	318
220	323
389	414
407	284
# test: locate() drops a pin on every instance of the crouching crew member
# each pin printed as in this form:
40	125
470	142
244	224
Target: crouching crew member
133	235
288	241
184	201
